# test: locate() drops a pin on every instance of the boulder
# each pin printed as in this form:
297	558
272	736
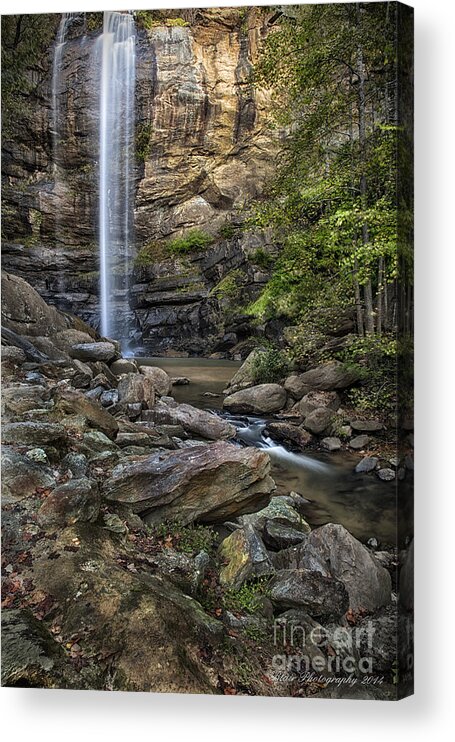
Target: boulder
65	339
136	389
260	400
367	426
180	381
77	500
289	433
34	434
210	483
367	464
313	400
279	510
326	377
359	441
318	420
278	536
124	366
334	552
243	556
197	422
160	379
102	351
25	312
20	398
245	375
387	475
21	476
316	594
331	444
73	403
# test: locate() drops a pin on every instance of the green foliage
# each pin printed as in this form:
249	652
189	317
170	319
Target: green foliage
246	599
149	19
334	196
228	230
151	253
230	287
94	22
189	539
376	358
143	136
270	366
261	258
193	241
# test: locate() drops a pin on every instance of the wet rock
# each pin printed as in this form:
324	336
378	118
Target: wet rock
261	399
367	426
317	595
207	483
318	420
180	381
243	556
367	464
326	377
387	475
289	434
73	403
77	500
21	476
34	434
136	389
95	393
160	379
102	351
278	536
334	552
313	400
123	366
359	442
197	422
331	444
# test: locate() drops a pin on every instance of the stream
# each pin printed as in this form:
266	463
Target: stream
365	505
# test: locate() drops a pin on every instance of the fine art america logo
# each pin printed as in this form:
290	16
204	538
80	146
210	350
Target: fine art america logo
315	653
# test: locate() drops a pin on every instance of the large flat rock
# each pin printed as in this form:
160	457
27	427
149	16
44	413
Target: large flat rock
208	483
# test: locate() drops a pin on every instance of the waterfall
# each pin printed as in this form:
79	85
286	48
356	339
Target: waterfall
65	23
116	171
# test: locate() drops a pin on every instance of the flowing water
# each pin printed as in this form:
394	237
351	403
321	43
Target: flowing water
334	493
117	50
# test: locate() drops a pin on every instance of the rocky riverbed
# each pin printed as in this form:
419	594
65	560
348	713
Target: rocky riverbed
145	549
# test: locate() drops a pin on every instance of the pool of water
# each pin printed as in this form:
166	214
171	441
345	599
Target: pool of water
365	505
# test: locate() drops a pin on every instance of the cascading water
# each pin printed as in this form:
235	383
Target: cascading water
116	171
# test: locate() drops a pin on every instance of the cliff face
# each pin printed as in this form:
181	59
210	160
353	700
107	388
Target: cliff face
203	151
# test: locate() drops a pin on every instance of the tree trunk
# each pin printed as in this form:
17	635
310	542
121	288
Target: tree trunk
379	303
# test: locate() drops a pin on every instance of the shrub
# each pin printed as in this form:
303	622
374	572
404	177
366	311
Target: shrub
247	598
193	241
230	286
150	253
261	258
270	366
189	539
